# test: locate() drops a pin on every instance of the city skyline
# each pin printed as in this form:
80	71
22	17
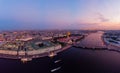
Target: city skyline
59	14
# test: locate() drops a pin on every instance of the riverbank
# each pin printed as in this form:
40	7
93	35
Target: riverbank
13	56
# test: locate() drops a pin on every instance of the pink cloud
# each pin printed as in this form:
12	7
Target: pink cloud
101	17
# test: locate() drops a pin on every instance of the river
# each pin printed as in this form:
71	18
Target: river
71	60
93	40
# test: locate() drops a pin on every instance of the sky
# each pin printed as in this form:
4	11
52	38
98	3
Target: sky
59	14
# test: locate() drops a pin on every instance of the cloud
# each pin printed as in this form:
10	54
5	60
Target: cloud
102	18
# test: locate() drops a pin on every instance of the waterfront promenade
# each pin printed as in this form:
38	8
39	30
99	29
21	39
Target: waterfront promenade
32	54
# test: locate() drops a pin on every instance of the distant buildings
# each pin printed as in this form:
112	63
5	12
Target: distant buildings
112	38
28	43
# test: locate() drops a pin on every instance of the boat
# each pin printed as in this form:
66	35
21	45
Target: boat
52	54
26	59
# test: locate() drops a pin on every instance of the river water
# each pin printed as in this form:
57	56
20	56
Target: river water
93	40
72	60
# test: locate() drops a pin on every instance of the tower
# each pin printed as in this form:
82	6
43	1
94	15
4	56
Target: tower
68	34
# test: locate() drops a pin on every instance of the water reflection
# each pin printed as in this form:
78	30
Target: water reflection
93	40
72	60
89	61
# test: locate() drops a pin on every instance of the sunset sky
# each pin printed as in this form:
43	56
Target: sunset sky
59	14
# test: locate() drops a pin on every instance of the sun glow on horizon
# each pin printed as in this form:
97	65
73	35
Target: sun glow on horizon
60	14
